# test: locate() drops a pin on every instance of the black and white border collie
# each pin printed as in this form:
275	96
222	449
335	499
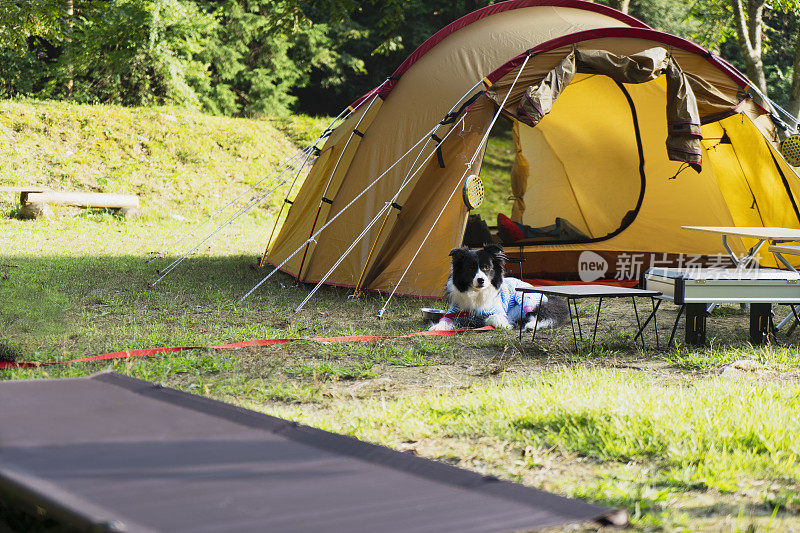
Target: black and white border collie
480	294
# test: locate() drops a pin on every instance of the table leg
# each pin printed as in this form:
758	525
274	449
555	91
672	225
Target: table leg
796	320
730	252
785	320
675	326
760	323
572	323
522	322
638	322
753	251
655	317
696	324
596	320
535	324
742	262
650	317
577	318
783	260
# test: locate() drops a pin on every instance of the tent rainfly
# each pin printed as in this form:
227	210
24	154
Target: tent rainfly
622	132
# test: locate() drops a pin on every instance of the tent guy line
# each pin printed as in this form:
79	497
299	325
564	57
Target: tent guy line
330	179
778	109
446	120
255	200
287	165
322	136
287	162
315	235
469	165
285	201
386	206
311	239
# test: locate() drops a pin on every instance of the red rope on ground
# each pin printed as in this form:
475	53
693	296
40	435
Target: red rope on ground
234	345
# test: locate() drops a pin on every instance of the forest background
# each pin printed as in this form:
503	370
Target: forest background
275	57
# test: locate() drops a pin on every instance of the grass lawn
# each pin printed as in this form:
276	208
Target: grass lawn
684	439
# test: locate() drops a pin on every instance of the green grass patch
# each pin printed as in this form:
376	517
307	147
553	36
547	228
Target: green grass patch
177	161
659	441
327	370
714	434
769	357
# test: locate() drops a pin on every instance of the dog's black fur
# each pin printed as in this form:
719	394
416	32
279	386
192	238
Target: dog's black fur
476	279
491	260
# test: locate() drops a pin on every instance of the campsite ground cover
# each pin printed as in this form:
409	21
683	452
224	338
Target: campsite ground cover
685	439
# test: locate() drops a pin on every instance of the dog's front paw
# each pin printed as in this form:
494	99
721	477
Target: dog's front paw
498	322
444	324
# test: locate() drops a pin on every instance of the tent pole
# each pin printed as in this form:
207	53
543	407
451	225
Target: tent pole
458	184
357	293
387	206
332	174
337	215
349	110
280	211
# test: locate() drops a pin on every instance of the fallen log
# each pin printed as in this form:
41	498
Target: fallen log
35	203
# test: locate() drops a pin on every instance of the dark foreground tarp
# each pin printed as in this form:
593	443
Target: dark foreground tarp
114	453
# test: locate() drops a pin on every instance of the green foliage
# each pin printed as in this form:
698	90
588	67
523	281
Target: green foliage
20	19
256	60
252	57
140	52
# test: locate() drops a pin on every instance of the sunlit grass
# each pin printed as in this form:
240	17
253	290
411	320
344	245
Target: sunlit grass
655	439
714	434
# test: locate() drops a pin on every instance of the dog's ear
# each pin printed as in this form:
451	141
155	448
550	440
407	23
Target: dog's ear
459	253
495	250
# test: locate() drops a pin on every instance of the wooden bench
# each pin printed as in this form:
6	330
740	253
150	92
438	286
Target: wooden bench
35	202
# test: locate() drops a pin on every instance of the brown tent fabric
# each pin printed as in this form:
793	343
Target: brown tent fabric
603	168
683	120
113	453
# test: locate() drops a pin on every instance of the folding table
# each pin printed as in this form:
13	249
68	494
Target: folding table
572	293
763	235
694	289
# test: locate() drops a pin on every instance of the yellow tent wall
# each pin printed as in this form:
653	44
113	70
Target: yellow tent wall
581	162
418	101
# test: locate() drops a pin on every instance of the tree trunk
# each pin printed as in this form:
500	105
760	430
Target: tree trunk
748	33
620	5
70	10
794	95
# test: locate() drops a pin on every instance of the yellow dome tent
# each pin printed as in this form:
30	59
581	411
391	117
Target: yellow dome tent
593	95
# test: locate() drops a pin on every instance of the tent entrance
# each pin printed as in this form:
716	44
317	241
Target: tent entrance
578	176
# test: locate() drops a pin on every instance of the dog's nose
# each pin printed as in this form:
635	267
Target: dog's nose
479	282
